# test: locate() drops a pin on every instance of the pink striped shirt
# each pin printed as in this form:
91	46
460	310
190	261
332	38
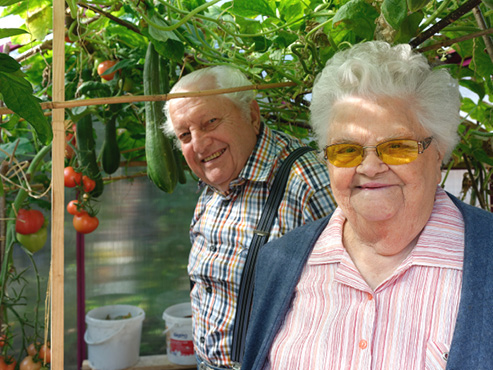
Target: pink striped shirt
337	322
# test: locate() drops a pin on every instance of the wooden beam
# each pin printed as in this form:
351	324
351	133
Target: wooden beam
57	192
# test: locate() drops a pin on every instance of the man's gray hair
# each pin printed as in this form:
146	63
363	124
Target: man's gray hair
375	69
223	77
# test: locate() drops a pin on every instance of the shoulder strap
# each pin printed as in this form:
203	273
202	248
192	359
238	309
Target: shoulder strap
260	237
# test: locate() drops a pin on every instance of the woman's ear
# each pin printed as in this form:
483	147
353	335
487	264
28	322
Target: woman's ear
255	116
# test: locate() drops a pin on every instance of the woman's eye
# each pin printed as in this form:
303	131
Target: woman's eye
347	149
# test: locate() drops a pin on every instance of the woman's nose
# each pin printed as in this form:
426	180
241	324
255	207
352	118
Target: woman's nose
371	164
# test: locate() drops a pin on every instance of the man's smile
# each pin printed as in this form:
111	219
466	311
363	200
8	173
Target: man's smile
213	156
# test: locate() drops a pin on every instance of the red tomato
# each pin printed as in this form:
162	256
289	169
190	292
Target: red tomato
69	151
71	177
45	353
74	208
7	363
2	340
84	223
28	364
29	221
32	350
103	66
88	183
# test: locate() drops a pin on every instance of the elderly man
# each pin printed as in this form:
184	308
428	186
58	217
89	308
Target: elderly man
236	157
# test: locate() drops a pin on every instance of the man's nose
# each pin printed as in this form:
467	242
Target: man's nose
200	141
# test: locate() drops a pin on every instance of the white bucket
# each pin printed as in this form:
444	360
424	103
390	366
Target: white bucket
179	337
113	344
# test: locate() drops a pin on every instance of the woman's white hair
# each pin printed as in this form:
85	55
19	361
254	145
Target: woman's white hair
216	77
375	69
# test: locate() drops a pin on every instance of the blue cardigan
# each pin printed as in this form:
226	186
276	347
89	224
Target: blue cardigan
280	263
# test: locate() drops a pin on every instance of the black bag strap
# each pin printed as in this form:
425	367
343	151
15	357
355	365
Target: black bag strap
260	237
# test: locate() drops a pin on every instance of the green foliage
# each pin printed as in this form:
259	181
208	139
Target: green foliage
17	95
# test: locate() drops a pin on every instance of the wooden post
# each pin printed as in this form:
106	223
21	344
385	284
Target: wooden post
57	191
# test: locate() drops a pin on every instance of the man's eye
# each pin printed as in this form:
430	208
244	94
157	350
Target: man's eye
211	124
184	137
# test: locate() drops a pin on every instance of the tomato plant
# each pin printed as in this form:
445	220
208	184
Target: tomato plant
7	363
45	353
74	207
70	144
103	66
29	221
28	363
71	177
85	223
88	184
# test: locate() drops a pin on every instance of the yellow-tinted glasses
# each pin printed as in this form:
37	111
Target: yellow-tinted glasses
392	152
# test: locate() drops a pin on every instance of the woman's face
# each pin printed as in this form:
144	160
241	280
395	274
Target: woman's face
374	191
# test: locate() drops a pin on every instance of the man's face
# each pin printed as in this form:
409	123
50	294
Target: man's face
216	137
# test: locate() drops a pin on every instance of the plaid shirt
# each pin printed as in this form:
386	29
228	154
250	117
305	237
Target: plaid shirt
222	229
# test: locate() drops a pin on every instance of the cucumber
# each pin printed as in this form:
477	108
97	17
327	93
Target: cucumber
161	165
110	153
86	153
182	178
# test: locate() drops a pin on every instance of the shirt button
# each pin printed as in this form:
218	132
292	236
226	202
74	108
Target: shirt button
370	296
212	248
202	340
208	289
363	344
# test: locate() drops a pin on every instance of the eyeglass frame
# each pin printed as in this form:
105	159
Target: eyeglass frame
422	146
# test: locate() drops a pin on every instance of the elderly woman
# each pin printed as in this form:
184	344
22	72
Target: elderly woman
400	276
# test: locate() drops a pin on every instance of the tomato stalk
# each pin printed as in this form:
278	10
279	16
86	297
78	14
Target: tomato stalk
8	232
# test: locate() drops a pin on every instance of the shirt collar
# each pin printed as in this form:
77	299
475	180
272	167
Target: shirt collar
261	162
441	243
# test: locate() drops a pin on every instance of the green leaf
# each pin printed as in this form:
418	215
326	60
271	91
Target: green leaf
170	49
8	64
39	22
252	8
192	4
89	88
7	32
394	12
291	10
284	39
24	148
248	26
409	28
159	34
415	5
481	156
8	2
359	17
17	95
475	87
261	44
481	61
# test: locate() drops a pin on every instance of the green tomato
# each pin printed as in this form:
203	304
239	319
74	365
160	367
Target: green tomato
35	241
